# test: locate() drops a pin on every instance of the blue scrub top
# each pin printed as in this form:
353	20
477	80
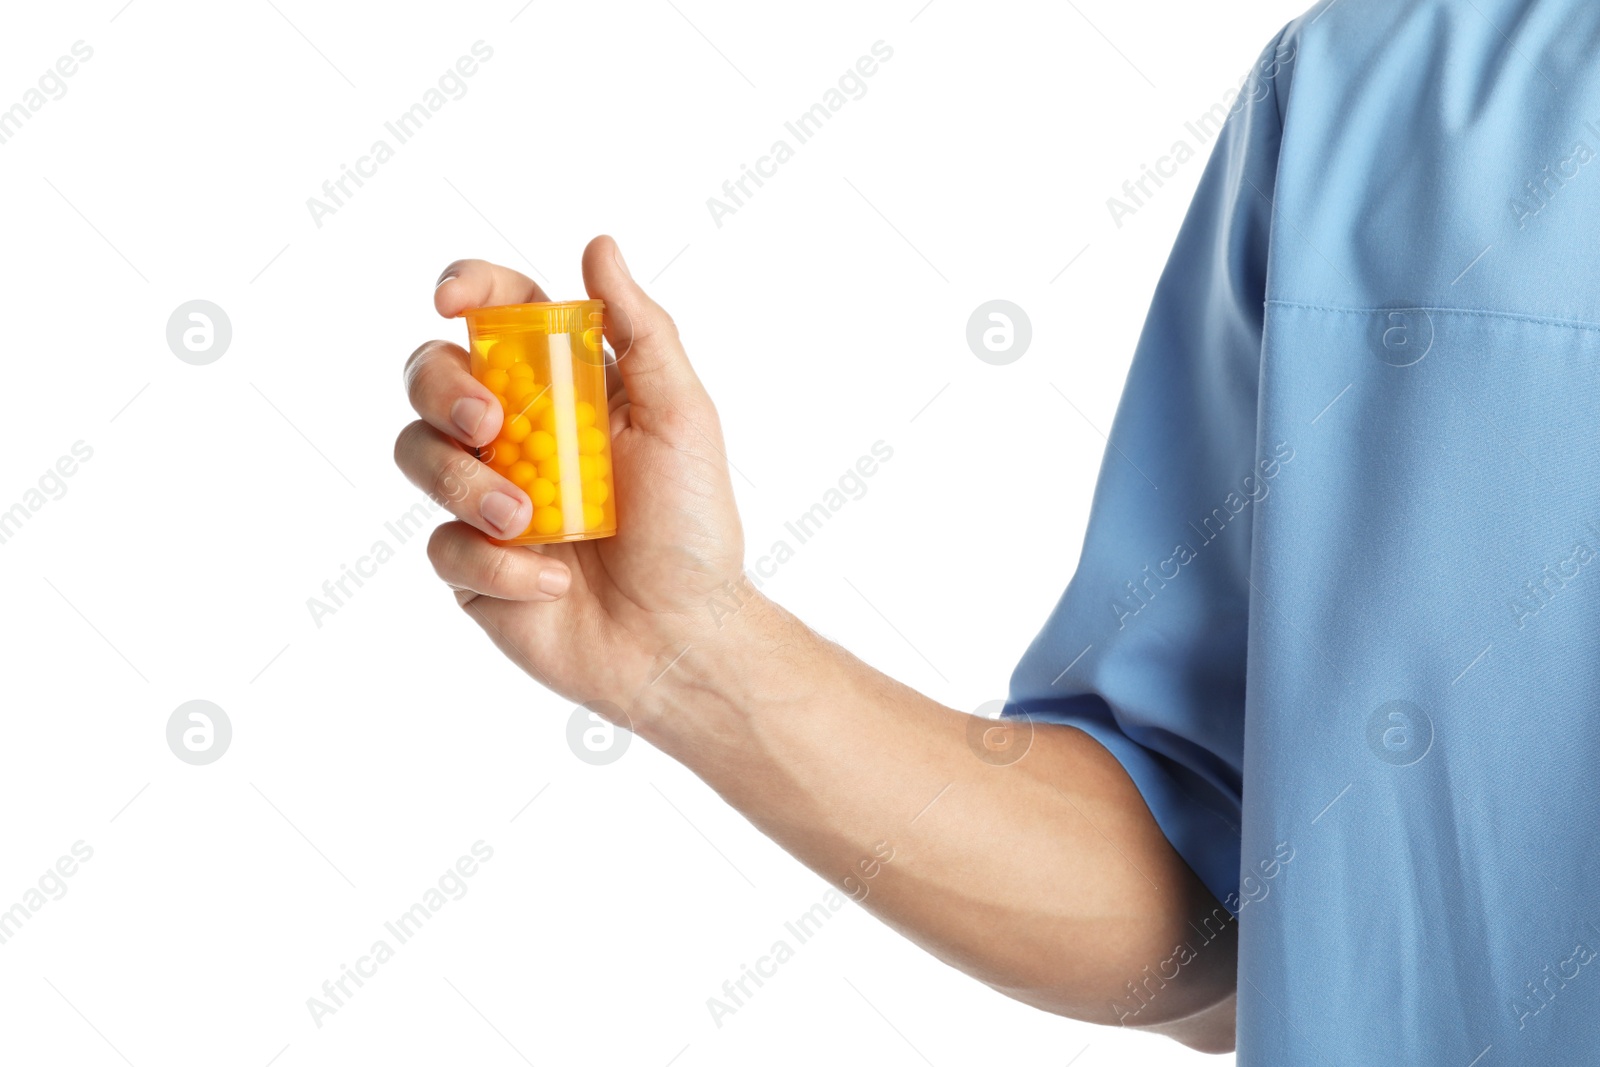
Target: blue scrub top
1338	606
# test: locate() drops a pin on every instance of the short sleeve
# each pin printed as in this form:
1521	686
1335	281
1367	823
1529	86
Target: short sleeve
1146	649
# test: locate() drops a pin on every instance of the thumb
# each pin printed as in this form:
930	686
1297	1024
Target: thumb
650	358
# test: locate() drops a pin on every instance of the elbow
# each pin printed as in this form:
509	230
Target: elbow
1208	1028
1182	992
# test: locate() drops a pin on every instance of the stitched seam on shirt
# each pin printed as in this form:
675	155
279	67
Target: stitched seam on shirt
1571	324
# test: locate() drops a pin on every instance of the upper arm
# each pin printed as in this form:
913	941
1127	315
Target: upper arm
1146	649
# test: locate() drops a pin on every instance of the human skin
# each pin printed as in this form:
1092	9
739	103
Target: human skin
1046	878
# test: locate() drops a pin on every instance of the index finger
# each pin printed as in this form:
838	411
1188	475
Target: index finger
477	283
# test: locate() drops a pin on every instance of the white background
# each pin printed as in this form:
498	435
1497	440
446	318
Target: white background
371	752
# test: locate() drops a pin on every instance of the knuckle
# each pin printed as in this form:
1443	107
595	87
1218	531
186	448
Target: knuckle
453	479
405	442
657	328
678	424
494	571
419	363
672	422
439	549
414	360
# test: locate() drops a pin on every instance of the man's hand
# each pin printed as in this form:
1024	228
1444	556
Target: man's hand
592	620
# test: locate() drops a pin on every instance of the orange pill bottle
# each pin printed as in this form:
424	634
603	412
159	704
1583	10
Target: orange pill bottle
545	363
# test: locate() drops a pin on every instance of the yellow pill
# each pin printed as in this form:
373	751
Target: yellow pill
547	419
549	469
541	445
531	408
546	520
593	516
591	468
520	370
538	406
496	379
517	428
500	357
501	453
520	391
523	473
542	493
596	492
591	441
585	413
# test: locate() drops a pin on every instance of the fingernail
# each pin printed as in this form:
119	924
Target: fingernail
467	413
616	252
501	510
554	581
446	276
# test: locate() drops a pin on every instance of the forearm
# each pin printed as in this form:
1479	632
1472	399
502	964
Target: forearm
1046	878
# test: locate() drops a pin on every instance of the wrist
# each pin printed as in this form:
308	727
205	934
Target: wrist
708	690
